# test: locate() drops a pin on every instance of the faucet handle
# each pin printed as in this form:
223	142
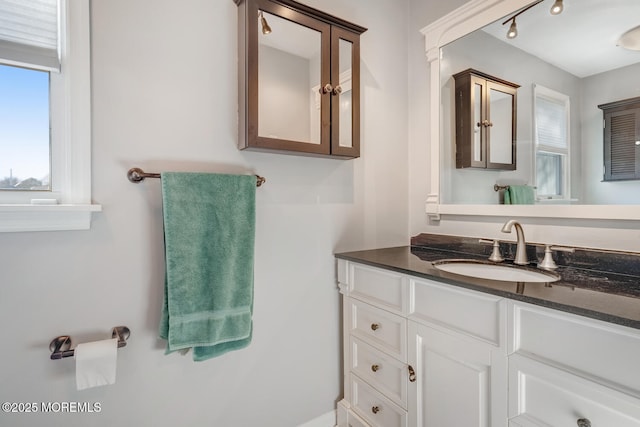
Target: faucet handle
548	263
496	255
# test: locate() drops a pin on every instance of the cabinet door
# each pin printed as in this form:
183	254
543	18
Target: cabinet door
479	121
345	105
501	126
460	381
622	144
288	68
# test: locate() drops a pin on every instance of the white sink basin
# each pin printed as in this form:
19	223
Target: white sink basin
499	272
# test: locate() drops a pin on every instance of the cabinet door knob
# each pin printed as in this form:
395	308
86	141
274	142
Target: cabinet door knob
336	90
375	368
326	88
375	409
375	326
412	374
583	422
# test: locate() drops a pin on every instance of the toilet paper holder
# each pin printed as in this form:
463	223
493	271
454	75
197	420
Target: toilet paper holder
61	346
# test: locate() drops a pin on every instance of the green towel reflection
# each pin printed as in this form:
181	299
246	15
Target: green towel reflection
209	232
519	195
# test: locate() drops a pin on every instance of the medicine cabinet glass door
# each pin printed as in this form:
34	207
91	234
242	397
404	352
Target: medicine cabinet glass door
485	110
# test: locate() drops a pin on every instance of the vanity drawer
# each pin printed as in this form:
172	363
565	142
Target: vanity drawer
598	349
383	372
547	396
472	313
382	288
356	421
373	407
379	328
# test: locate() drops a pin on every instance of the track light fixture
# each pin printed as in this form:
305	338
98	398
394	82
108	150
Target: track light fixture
513	30
556	9
266	29
512	33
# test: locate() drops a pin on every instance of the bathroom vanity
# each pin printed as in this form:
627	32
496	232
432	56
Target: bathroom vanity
424	347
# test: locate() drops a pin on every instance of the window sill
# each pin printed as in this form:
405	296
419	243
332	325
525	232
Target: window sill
556	201
14	218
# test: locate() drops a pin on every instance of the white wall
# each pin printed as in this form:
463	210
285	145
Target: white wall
165	98
620	235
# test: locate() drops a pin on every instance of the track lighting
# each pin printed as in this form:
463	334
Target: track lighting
266	29
556	9
513	30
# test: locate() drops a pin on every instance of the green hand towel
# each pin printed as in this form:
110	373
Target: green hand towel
209	232
519	195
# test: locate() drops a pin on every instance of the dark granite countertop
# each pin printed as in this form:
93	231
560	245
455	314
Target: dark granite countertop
584	290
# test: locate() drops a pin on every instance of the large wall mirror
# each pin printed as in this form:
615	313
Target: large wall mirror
566	65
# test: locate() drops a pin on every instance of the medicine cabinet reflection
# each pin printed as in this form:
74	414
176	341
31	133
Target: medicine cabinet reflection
299	79
485	121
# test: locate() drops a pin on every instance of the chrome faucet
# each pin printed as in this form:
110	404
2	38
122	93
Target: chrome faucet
521	248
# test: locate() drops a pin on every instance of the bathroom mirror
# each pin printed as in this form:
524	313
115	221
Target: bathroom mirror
288	72
473	37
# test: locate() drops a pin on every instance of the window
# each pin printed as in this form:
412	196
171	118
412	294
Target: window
551	135
24	129
45	139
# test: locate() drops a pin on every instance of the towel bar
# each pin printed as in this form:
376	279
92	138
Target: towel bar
497	187
137	175
61	346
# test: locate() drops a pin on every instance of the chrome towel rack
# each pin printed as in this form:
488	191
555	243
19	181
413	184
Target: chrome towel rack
137	175
61	346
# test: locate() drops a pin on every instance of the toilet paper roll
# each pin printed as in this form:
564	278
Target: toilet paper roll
96	363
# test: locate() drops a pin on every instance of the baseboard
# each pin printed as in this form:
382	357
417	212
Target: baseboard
326	420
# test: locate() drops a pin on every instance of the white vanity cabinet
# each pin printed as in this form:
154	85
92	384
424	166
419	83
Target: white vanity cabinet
375	346
457	346
421	353
567	370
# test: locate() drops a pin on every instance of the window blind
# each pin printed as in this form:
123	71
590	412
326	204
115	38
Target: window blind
551	123
29	33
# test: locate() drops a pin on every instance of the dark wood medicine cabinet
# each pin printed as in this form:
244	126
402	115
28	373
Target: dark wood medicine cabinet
299	79
485	121
621	139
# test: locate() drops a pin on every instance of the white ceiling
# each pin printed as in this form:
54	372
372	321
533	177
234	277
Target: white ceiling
581	40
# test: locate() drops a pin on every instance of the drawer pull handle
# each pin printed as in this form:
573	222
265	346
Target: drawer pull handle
583	422
375	409
375	326
412	374
375	368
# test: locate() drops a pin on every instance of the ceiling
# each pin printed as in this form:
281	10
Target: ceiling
581	40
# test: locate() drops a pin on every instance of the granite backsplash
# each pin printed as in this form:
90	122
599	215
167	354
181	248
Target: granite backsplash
585	267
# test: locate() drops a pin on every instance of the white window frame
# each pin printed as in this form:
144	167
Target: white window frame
68	206
543	92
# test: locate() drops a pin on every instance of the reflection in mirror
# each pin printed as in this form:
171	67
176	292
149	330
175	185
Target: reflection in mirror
501	116
345	58
477	118
289	76
573	54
